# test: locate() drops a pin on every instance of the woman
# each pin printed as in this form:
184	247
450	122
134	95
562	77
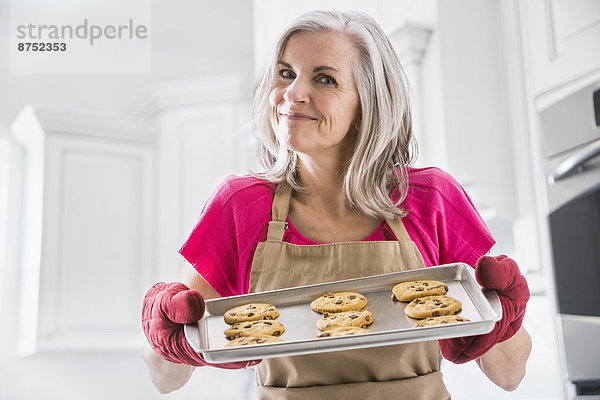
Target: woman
337	201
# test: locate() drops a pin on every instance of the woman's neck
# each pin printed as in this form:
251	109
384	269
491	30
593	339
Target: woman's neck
325	184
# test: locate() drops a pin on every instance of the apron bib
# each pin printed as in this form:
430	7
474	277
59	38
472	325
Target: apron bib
407	371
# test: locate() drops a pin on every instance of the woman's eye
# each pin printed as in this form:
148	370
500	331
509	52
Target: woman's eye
286	73
327	80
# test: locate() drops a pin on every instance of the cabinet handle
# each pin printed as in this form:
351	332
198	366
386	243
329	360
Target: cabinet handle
576	162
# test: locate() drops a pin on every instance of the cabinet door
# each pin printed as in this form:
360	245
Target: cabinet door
97	242
563	40
198	148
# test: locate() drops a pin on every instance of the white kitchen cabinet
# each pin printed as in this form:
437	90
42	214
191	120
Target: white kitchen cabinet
88	230
204	135
562	41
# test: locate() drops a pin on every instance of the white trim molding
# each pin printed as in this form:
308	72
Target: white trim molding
176	95
410	42
95	124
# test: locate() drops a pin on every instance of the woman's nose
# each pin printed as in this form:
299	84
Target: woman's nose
297	92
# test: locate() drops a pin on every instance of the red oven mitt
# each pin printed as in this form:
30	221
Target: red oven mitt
503	275
167	308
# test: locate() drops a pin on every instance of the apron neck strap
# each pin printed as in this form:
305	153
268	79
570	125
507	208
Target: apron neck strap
279	212
281	207
398	229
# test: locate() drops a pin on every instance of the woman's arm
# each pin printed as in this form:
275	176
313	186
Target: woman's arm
504	364
167	376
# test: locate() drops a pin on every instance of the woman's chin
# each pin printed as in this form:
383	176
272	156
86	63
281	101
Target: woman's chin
292	142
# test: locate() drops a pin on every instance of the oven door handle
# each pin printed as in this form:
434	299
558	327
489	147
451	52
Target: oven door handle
576	162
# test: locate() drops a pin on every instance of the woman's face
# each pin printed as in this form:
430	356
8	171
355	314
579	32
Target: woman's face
314	101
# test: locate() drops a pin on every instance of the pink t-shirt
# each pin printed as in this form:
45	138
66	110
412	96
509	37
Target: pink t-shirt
441	220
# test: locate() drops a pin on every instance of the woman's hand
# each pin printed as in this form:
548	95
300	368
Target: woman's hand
501	274
167	308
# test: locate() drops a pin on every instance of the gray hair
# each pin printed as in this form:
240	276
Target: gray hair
384	145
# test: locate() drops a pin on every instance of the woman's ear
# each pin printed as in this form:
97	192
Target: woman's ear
356	123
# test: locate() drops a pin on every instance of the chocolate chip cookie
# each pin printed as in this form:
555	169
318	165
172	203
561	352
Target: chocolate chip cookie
251	312
361	319
443	320
250	340
408	291
339	302
432	306
254	328
343	331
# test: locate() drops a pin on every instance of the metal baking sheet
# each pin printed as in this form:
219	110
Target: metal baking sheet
390	326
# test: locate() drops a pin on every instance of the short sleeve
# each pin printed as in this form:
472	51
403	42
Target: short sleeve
443	219
221	245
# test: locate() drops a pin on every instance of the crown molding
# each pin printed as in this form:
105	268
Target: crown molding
410	42
48	120
165	96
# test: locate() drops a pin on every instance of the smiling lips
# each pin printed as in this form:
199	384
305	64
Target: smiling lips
297	116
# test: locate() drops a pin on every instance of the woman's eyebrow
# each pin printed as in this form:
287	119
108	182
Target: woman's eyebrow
315	69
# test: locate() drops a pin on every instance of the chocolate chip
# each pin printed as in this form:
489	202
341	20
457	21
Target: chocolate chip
325	334
443	305
268	323
330	295
325	315
436	313
446	287
425	284
250	307
353	316
419	289
367	318
268	317
394	297
338	302
364	326
352	297
232	313
250	314
247	326
276	333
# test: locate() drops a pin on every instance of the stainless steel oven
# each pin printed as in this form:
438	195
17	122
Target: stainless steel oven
571	149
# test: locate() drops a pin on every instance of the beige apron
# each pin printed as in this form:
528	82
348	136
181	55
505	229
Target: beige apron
409	371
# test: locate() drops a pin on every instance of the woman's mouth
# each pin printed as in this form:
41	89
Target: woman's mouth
297	116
